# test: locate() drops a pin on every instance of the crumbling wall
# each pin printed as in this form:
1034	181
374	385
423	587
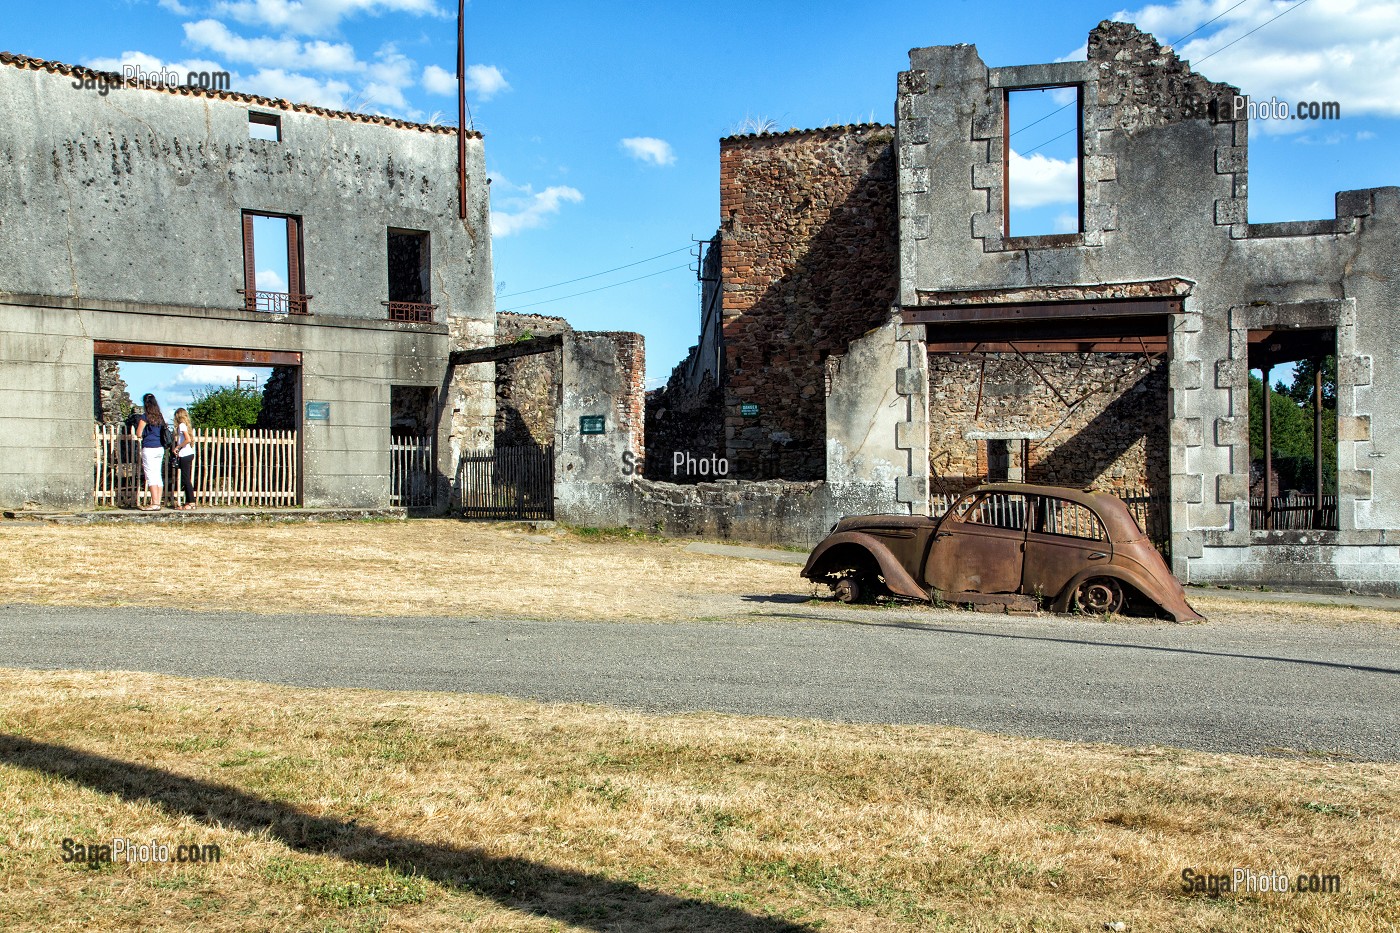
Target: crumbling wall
112	401
527	387
1094	419
809	262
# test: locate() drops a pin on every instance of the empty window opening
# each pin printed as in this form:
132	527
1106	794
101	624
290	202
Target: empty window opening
272	264
410	276
1292	429
264	126
1043	189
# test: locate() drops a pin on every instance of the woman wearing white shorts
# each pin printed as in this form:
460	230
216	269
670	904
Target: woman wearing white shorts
149	430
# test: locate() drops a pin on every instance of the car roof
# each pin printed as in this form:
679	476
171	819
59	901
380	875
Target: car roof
1118	521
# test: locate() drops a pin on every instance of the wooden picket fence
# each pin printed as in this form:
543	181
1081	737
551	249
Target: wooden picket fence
251	468
412	471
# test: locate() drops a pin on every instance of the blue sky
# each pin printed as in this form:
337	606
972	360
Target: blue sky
602	119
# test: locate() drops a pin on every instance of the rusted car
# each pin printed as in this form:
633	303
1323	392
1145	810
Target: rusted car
1073	550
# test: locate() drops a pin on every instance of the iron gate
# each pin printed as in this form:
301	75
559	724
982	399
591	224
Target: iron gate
507	483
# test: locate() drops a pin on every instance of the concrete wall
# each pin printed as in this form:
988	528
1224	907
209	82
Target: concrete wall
122	221
1164	193
603	374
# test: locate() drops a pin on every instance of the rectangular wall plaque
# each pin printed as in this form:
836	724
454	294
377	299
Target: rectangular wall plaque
748	409
318	411
591	424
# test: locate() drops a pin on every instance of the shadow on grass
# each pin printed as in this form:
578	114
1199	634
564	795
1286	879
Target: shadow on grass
561	894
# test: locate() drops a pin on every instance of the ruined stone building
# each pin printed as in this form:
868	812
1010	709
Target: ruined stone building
879	337
129	230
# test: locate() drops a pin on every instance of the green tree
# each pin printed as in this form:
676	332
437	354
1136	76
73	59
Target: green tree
226	407
1293	432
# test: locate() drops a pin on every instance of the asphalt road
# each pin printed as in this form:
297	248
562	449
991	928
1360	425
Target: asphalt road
1254	687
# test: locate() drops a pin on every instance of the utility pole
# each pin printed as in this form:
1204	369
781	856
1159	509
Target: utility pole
461	110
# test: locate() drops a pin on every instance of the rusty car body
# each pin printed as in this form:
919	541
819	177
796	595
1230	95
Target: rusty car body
1070	549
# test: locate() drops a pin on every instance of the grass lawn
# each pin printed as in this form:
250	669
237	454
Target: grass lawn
360	810
435	567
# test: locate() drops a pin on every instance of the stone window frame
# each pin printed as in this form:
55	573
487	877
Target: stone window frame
1096	166
1232	431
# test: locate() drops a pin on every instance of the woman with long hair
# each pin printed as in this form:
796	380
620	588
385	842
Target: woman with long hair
149	428
184	455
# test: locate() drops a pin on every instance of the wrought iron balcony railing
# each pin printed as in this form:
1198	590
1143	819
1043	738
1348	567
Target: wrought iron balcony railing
416	312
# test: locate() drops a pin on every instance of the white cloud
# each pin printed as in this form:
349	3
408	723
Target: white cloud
389	75
483	81
150	63
270	280
210	375
215	36
1040	180
1066	223
649	149
176	7
486	81
1342	50
439	80
298	88
528	209
318	17
269	52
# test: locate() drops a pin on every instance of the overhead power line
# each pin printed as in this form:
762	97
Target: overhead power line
600	288
594	275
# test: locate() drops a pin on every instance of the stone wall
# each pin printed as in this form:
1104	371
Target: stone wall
1093	419
527	388
112	401
279	400
809	262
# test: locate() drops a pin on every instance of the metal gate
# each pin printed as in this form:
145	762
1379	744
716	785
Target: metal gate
412	462
507	483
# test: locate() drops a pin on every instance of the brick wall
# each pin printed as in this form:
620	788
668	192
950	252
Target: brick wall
1105	417
809	261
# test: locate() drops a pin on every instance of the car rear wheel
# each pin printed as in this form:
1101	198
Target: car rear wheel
1098	596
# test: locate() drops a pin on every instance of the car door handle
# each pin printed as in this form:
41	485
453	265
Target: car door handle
1098	555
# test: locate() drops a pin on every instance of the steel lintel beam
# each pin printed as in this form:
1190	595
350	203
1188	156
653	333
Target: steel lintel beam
1042	311
506	351
166	353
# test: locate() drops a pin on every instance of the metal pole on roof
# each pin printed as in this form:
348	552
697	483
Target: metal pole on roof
461	111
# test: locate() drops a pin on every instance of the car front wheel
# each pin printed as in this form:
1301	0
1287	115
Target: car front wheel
1098	596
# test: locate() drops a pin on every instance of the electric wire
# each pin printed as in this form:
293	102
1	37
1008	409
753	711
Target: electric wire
594	275
590	291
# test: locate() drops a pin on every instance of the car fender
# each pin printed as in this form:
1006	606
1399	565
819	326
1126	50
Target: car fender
1174	604
897	579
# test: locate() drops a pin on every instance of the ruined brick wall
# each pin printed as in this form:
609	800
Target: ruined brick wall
1104	422
809	261
631	406
527	388
112	401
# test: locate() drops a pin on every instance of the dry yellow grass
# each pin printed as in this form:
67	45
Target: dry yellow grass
432	567
423	567
358	810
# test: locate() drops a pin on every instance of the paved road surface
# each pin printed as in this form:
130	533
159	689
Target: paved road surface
1251	687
